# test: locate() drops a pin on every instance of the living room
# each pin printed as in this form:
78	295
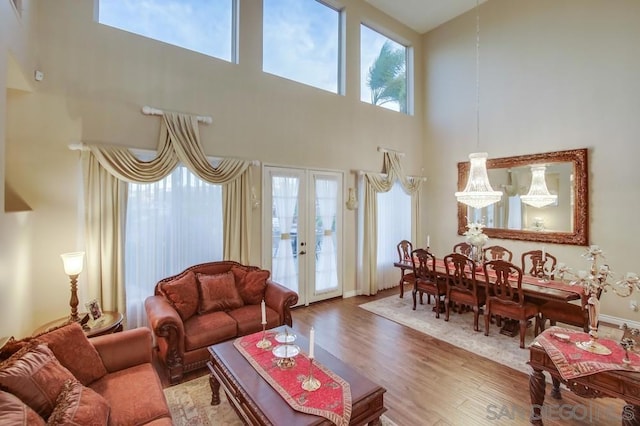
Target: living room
553	76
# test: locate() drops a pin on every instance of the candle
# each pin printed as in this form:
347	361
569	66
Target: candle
428	240
263	309
312	337
544	254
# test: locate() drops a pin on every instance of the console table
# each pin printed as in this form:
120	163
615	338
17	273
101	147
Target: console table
615	384
109	322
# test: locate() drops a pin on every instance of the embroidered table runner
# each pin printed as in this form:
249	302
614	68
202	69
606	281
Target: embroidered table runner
331	401
526	279
573	362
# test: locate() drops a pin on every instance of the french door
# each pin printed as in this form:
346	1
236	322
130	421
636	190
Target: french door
303	250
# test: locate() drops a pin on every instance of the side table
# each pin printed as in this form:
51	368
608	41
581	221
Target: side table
109	322
614	384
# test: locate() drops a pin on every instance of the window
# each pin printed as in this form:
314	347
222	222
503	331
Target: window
170	225
301	42
383	71
208	26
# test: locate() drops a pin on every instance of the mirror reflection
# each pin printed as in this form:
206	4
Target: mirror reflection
564	221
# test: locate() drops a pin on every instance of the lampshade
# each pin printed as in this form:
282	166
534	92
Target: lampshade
478	193
72	262
538	195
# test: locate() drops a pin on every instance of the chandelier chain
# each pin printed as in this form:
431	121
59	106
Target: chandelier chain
478	73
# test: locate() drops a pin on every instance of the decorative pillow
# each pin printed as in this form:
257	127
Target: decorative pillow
79	405
218	292
182	293
34	375
12	346
251	284
75	352
15	412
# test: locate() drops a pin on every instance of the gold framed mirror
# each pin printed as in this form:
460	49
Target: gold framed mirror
563	222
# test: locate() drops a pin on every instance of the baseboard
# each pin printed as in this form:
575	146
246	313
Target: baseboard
618	321
348	294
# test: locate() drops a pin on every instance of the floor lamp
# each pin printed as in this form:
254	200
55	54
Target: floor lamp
73	263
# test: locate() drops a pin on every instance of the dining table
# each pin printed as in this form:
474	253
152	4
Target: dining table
534	288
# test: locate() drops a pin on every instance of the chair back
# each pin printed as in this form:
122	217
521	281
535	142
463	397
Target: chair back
461	273
532	264
504	282
462	248
497	252
404	248
424	265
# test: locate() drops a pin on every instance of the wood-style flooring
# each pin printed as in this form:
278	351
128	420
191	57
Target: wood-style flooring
430	382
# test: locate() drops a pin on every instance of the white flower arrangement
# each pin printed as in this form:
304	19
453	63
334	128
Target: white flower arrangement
475	235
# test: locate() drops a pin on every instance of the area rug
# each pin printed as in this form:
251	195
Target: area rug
459	332
190	405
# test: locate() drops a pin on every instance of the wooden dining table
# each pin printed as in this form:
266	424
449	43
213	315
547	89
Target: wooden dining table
532	287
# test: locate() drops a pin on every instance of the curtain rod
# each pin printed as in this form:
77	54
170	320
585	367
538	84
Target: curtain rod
381	149
79	146
147	110
363	172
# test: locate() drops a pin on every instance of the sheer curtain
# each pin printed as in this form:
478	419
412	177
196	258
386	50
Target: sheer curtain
170	225
326	271
394	225
285	198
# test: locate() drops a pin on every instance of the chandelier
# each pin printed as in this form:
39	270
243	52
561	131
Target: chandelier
478	193
538	195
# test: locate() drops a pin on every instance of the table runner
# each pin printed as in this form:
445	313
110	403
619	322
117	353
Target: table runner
331	401
573	362
526	279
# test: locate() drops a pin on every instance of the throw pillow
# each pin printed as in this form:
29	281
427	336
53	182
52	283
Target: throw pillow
251	284
218	292
34	375
75	352
12	346
182	294
15	412
79	405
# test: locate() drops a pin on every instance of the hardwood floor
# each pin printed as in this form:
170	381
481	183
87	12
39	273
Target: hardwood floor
430	382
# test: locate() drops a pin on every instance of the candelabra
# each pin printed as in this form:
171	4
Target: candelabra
599	278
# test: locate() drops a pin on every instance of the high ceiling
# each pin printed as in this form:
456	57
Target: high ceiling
423	15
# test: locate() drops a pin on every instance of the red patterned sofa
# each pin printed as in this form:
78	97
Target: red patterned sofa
61	377
210	303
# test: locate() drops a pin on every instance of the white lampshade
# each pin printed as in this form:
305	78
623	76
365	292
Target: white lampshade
73	262
478	193
538	195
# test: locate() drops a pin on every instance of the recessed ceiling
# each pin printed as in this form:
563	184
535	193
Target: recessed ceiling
423	15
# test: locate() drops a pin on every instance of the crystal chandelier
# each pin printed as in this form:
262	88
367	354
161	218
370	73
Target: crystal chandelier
478	193
538	195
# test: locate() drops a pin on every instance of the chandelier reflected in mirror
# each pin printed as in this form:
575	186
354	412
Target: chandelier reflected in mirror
538	195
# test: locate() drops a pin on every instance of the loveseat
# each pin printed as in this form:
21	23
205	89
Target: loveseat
209	303
62	378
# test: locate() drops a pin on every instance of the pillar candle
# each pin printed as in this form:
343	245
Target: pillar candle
544	254
263	309
428	240
312	338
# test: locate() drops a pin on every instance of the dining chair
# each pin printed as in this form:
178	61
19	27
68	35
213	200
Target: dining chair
405	248
427	280
462	287
462	248
533	264
497	252
505	297
565	313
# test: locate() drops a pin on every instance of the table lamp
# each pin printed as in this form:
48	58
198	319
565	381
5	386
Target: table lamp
73	263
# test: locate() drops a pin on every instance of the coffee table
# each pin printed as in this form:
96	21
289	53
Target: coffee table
257	403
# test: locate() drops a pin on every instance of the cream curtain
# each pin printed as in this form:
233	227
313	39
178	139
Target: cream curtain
109	168
374	183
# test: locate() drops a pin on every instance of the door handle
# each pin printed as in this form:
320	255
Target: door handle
302	252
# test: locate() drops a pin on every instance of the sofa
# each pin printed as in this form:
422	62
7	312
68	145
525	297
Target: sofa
61	377
209	303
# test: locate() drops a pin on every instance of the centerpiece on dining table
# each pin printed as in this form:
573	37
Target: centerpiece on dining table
477	239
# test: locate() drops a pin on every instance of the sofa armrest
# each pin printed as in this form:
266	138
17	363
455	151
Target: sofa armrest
280	299
125	349
168	328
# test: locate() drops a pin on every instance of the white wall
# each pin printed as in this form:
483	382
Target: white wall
554	75
97	79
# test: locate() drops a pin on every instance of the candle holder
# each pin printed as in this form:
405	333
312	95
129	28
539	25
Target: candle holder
310	383
263	343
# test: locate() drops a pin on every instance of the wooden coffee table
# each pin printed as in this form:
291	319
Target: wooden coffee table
257	403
